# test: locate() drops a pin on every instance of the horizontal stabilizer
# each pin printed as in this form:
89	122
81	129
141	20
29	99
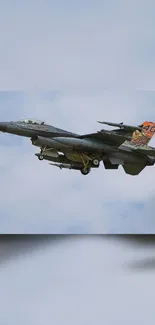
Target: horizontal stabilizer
133	170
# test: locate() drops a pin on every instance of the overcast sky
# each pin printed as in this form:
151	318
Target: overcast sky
79	281
36	197
76	63
77	45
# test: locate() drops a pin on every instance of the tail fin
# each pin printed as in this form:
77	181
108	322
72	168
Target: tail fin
141	138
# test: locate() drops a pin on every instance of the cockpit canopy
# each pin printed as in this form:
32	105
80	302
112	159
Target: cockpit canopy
29	121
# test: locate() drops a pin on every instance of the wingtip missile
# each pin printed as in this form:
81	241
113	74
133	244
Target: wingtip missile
122	126
111	124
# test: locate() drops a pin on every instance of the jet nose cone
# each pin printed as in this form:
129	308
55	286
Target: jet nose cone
3	127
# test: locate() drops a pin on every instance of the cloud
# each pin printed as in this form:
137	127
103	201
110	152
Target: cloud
80	280
76	64
91	45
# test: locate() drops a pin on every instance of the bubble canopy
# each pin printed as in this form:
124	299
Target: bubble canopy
31	121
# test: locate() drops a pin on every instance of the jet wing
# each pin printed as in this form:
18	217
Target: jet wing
108	136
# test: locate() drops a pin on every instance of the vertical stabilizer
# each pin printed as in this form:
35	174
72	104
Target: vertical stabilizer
141	138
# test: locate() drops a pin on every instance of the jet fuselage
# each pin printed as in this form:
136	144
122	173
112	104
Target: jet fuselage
104	145
25	130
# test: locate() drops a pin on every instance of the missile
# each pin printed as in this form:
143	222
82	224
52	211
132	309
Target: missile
122	126
51	154
66	166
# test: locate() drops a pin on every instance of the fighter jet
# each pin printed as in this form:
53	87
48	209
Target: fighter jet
125	145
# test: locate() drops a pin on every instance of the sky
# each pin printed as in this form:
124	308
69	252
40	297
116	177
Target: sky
83	280
71	65
64	45
39	198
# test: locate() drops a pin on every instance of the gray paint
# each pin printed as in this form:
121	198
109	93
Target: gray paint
108	147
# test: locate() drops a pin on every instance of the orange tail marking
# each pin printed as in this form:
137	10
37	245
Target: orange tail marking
143	138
